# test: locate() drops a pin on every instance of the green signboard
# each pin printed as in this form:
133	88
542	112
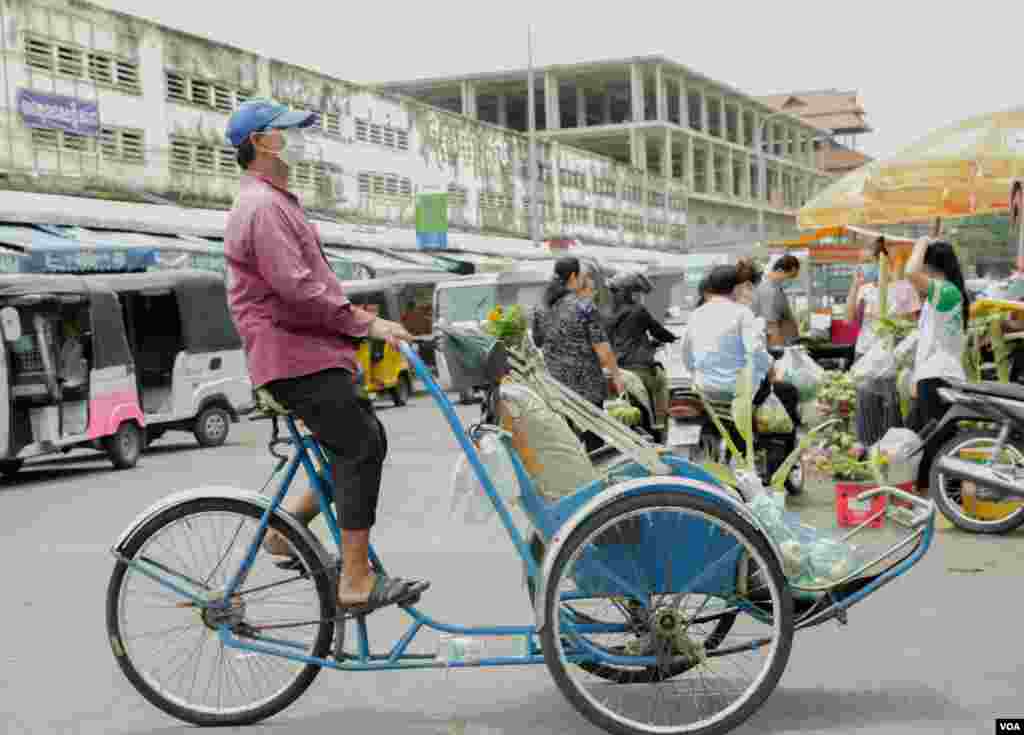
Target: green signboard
432	221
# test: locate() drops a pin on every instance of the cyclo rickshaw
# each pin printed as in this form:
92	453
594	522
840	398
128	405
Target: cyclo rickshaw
656	589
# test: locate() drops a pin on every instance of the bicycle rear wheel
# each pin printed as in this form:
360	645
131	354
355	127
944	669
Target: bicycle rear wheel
666	548
170	649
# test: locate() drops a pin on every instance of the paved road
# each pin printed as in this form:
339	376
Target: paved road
938	652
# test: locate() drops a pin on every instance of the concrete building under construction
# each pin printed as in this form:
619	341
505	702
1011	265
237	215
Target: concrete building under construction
660	118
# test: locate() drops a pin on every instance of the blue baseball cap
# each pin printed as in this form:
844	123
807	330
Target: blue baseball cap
256	115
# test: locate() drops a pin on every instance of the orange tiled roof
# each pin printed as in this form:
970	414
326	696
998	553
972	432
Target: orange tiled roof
832	109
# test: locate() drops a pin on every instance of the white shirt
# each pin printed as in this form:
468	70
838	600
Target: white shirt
719	335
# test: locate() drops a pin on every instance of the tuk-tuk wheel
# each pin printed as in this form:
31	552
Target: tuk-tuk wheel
125	446
212	427
401	392
10	467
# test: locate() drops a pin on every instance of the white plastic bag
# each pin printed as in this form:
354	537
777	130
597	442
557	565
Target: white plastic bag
799	370
772	417
821	326
878	362
469	501
896	447
906	350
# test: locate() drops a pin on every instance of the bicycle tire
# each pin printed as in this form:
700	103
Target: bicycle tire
281	700
620	675
559	668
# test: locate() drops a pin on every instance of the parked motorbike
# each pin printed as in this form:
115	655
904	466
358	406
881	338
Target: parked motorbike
973	458
694	434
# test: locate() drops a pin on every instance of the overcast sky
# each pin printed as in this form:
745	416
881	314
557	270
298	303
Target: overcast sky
916	65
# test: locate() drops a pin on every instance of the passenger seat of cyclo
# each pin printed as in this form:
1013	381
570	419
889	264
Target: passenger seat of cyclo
549	449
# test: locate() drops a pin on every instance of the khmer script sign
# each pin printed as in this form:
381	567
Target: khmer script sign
56	112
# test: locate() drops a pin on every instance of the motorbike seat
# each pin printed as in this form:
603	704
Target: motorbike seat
1011	391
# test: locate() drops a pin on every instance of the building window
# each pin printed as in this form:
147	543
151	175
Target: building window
572	179
203	93
123	144
386	185
574	215
331	122
677	203
192	156
606	219
79	63
227	161
604	186
495	201
633	223
60	140
456	196
382	135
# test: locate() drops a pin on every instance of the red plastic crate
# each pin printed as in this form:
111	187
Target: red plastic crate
844	332
847	515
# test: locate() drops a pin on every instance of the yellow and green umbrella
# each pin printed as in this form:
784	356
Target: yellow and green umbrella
965	169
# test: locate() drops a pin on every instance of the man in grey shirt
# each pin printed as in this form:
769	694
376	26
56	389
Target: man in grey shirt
771	303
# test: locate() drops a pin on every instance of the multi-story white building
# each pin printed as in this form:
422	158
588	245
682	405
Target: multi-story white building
658	117
109	105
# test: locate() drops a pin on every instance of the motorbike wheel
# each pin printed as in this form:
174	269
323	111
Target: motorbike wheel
948	495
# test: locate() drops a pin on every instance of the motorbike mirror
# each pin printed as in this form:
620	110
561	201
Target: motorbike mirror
10	322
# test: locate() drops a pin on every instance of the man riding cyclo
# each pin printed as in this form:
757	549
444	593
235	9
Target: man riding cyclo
300	334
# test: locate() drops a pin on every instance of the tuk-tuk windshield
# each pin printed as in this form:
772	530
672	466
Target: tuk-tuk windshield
469	303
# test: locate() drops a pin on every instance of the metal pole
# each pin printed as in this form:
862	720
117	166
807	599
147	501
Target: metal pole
762	185
531	104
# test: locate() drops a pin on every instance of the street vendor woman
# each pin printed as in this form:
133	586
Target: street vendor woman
299	332
878	403
934	270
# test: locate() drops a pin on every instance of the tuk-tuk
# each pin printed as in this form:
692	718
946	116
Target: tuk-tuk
192	374
415	294
67	376
384	369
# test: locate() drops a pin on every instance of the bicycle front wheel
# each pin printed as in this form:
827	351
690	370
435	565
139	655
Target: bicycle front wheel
170	649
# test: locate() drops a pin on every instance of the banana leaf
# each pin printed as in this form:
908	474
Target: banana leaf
743	408
725	434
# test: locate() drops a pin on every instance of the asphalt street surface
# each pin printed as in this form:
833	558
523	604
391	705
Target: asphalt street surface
938	651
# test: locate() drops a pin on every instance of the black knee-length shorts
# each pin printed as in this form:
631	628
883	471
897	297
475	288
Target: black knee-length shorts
352	436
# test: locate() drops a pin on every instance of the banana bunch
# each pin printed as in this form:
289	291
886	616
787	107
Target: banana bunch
623	411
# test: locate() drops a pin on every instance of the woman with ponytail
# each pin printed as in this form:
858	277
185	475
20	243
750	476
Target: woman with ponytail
570	331
934	270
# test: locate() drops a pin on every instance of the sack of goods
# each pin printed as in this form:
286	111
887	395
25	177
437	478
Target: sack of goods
895	452
801	372
550	451
772	418
878	362
810	557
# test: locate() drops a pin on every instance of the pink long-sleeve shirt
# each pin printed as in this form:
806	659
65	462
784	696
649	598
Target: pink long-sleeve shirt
286	302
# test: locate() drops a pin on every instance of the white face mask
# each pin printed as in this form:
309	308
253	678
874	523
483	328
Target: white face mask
294	149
